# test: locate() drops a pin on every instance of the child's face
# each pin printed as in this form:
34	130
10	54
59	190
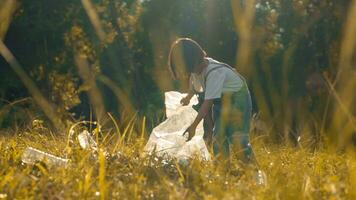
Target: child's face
199	68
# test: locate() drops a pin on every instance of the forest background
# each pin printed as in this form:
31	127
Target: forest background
87	58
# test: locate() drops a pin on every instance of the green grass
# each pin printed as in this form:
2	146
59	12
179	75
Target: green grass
292	173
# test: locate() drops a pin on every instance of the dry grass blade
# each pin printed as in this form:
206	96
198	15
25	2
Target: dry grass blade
88	77
94	19
7	8
128	129
102	173
143	126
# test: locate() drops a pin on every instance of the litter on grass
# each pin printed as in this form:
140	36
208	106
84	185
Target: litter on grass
86	141
165	140
32	156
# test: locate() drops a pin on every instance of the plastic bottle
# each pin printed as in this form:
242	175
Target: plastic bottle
86	141
32	155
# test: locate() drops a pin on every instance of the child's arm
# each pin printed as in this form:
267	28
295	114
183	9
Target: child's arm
185	100
203	111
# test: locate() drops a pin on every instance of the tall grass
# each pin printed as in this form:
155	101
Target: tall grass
124	173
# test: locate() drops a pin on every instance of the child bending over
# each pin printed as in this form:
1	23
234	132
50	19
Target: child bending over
225	101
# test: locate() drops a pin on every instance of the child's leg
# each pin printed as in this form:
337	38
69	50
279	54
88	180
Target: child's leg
233	124
220	141
216	130
241	102
232	116
208	128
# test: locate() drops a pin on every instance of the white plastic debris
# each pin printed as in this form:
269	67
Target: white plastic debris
86	141
261	178
167	138
32	155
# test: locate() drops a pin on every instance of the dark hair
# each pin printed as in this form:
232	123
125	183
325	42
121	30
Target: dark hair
185	55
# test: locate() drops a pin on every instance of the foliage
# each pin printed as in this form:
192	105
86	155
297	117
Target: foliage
62	30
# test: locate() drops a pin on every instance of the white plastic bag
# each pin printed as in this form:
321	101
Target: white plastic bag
167	138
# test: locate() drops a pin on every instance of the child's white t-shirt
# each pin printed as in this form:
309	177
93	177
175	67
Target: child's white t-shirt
218	80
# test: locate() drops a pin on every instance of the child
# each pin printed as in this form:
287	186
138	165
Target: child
225	98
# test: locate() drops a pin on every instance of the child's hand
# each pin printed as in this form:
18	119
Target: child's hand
191	131
185	101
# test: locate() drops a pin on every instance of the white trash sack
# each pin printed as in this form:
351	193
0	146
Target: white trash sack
167	138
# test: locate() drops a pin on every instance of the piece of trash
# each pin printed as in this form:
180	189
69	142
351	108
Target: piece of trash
167	138
86	141
32	155
261	178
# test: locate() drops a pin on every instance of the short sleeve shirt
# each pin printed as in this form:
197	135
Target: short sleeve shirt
220	80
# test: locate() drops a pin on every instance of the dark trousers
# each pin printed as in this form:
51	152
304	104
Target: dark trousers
231	117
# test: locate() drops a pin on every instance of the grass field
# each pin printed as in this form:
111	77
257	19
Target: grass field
292	173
